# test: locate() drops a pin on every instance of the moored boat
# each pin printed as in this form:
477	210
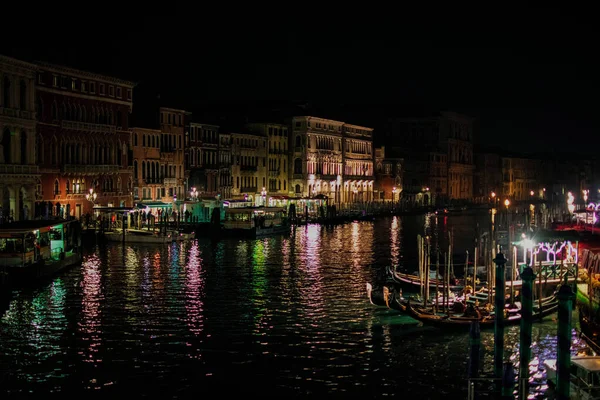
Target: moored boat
584	377
150	237
32	250
255	222
486	319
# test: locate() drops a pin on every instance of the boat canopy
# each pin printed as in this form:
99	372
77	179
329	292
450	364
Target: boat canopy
154	204
591	364
248	210
24	227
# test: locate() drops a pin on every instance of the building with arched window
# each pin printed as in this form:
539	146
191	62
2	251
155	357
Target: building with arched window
85	140
333	159
20	178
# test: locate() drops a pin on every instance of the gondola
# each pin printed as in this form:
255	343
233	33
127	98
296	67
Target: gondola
461	322
402	278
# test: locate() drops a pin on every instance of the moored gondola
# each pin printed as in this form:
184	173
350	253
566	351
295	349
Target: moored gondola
486	320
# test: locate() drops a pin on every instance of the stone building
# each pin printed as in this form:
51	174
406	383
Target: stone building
332	159
278	161
249	167
203	158
172	157
83	140
147	169
225	180
388	175
20	184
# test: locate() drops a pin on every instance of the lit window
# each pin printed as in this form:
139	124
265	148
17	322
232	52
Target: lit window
83	87
55	81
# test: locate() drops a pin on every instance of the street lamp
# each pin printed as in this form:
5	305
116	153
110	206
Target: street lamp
507	203
194	194
393	195
91	196
531	193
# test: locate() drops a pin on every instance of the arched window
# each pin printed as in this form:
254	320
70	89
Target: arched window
56	191
297	189
67	187
6	139
135	169
54	110
135	139
284	185
144	140
297	166
6	92
143	170
22	95
24	148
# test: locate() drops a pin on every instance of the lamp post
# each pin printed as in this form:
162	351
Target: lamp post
91	197
194	194
493	194
393	195
263	193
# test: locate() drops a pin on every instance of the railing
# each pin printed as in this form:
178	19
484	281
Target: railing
91	169
16	113
18	169
84	126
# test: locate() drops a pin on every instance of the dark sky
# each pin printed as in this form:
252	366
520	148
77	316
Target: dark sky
528	76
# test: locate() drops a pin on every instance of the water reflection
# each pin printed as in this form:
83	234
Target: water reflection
277	316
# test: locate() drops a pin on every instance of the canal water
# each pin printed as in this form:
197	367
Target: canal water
280	316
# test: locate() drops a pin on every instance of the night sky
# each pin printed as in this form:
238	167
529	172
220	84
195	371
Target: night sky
529	77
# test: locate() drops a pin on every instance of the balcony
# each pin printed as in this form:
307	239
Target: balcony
84	126
12	169
170	182
16	113
90	169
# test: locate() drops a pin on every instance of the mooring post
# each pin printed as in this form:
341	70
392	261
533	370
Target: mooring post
500	289
527	277
508	382
563	363
474	349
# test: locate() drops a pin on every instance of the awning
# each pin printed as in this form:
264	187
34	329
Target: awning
154	204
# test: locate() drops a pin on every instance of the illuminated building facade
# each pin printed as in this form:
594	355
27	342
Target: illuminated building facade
389	172
249	167
278	161
172	157
332	159
83	140
147	168
225	160
520	176
357	158
20	184
487	178
203	158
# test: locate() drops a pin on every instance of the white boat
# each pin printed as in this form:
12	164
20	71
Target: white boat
37	249
255	221
585	376
143	236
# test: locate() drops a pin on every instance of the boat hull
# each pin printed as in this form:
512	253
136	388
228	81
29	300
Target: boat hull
35	271
256	233
150	239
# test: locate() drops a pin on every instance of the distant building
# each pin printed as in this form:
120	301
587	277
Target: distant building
332	159
225	179
20	184
487	178
148	179
521	178
83	140
249	167
172	158
428	141
388	176
203	158
278	162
